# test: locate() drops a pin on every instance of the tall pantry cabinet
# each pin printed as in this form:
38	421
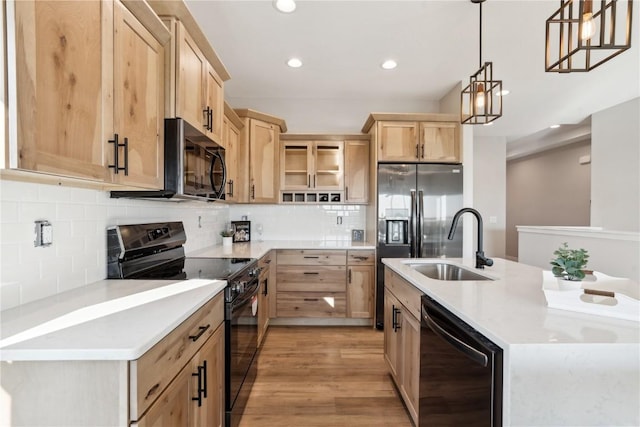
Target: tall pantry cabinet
85	109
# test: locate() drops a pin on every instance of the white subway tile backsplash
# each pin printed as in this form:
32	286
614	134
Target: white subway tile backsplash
9	295
8	212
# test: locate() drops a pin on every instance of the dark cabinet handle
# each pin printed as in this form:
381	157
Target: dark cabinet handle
202	383
253	191
349	275
210	120
423	150
311	299
265	291
116	155
202	330
360	257
206	115
394	318
311	273
417	151
312	257
346	193
230	183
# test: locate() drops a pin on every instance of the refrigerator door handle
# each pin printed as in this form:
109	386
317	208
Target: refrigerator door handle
414	223
420	223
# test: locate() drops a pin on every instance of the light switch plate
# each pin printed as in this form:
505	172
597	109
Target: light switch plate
44	233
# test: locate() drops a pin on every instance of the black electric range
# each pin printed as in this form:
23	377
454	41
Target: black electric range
156	252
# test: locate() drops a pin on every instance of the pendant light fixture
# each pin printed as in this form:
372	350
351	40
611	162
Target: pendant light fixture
583	34
480	102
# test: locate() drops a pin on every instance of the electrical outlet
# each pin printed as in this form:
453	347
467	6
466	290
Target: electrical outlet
44	233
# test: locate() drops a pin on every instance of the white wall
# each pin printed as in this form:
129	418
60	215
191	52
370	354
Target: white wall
489	191
615	167
303	222
80	218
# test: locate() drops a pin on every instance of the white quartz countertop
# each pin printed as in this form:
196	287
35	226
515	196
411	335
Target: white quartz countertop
107	320
512	309
260	248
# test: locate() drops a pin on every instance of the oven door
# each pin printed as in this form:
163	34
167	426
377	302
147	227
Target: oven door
242	345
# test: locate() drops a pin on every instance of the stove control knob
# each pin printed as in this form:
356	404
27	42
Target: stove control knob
254	272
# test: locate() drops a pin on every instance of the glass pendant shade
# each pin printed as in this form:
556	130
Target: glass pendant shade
480	101
583	34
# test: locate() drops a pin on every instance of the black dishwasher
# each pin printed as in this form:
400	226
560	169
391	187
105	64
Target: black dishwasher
460	372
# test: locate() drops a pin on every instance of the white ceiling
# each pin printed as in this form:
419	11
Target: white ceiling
342	44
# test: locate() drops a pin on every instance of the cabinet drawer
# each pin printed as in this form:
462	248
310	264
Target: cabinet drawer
315	279
407	294
155	369
311	304
361	257
311	257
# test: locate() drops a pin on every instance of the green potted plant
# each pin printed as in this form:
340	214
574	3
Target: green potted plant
569	263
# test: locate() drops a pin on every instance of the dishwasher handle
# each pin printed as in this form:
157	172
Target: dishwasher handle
473	354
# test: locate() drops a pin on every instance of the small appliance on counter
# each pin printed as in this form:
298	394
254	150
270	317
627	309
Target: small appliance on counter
155	251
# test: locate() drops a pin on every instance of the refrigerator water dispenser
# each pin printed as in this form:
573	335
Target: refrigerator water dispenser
397	231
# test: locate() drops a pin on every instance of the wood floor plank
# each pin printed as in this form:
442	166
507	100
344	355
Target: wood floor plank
310	376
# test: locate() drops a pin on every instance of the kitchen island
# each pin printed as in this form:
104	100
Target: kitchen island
559	367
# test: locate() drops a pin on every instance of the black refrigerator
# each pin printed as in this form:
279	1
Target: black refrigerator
416	204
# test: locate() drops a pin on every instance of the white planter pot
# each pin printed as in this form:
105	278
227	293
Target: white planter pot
227	242
569	285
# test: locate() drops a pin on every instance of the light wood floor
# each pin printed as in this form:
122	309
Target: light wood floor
323	376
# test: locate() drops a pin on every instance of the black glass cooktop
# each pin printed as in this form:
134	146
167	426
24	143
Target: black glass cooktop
198	268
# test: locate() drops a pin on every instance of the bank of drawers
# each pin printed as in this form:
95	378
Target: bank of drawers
311	283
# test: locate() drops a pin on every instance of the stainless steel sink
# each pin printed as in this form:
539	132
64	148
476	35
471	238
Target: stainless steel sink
445	271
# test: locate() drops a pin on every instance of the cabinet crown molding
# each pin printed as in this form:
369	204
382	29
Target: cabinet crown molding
253	114
323	137
230	113
408	117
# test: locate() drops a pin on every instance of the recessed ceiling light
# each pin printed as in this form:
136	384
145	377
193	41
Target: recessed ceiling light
503	92
554	126
285	6
389	64
294	63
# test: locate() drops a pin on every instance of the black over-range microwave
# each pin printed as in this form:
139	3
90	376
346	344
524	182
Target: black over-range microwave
194	166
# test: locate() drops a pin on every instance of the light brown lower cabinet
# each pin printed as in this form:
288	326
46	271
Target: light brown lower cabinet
315	283
402	339
177	382
195	397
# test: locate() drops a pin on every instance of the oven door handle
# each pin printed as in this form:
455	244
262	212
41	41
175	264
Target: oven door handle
241	302
473	354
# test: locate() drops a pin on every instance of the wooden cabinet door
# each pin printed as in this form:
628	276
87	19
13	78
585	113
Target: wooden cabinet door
411	363
207	383
191	81
397	141
263	163
63	86
215	102
328	161
392	338
138	99
356	172
173	406
296	161
360	291
231	141
440	142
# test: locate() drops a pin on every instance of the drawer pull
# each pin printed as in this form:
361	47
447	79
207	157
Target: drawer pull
311	299
361	258
312	257
311	272
202	329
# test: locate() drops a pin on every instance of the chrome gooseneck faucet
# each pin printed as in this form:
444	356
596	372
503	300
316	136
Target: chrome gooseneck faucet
481	260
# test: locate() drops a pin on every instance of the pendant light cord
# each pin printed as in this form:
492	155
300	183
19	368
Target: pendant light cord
480	39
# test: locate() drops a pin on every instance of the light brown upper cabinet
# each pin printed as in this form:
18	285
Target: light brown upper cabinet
138	103
398	142
356	171
258	157
90	80
197	87
315	165
231	140
428	138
